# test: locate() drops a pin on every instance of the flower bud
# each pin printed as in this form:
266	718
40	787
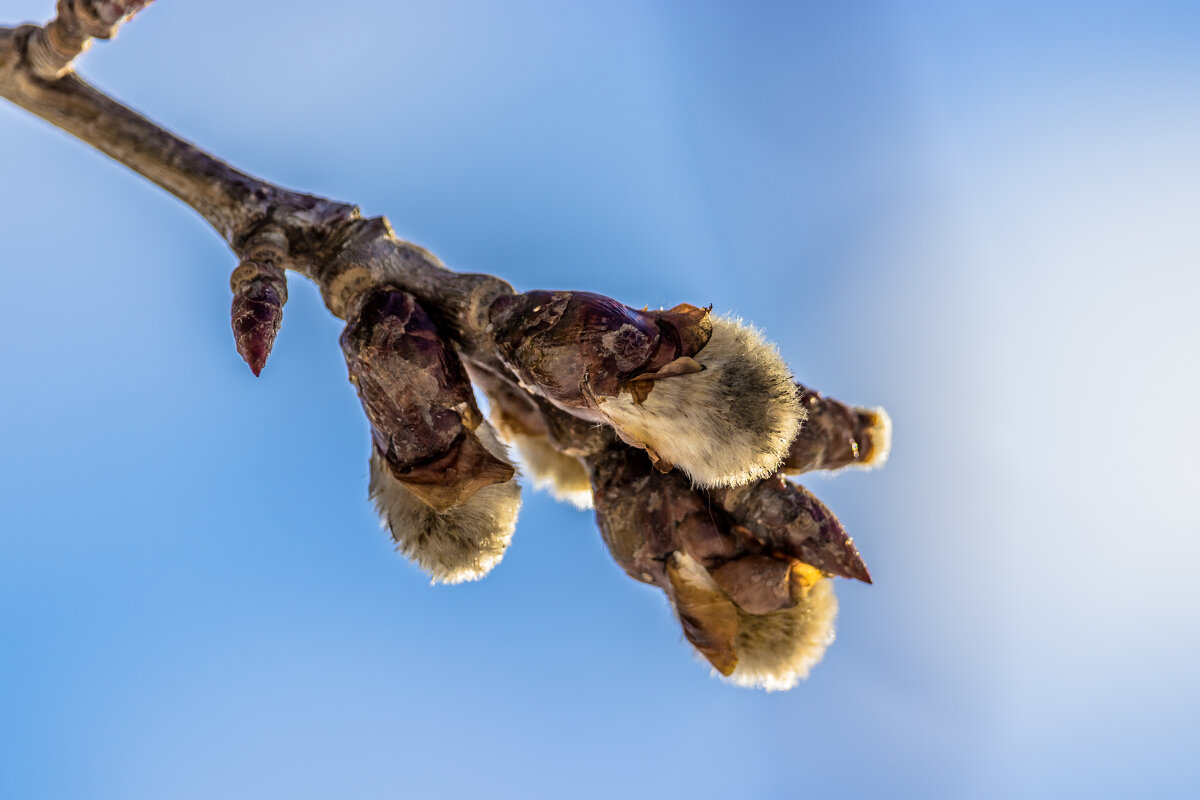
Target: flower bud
747	601
418	400
707	395
835	435
259	292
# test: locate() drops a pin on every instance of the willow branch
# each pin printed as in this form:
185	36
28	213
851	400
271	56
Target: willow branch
326	241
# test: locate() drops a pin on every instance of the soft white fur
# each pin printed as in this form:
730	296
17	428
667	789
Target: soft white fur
562	475
775	650
725	426
465	542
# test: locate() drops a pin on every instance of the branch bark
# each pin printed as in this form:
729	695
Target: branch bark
328	242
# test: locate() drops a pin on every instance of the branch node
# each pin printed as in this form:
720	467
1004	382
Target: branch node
52	49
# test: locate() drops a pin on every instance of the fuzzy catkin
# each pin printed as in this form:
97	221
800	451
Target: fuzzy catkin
725	426
464	542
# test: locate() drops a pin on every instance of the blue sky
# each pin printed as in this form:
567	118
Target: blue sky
981	217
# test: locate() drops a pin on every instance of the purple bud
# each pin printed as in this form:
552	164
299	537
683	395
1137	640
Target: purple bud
260	290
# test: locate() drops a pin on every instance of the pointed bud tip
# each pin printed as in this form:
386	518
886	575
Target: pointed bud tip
255	347
858	571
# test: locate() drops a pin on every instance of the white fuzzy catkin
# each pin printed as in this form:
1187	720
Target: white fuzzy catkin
562	475
461	544
725	426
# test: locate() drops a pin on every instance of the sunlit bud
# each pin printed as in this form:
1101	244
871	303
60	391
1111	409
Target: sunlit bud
835	435
259	292
416	395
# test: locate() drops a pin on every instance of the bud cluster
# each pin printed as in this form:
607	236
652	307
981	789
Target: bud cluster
675	425
746	569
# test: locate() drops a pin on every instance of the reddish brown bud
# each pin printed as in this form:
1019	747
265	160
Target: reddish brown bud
418	400
571	346
259	292
835	435
792	522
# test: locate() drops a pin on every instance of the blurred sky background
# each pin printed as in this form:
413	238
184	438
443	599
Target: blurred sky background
982	216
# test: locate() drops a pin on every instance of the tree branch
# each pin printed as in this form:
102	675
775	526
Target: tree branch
578	382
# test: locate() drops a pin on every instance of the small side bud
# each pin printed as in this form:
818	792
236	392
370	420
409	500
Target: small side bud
707	395
835	435
259	293
415	392
462	543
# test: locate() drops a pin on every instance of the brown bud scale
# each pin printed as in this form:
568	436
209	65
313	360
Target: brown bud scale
569	345
418	400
